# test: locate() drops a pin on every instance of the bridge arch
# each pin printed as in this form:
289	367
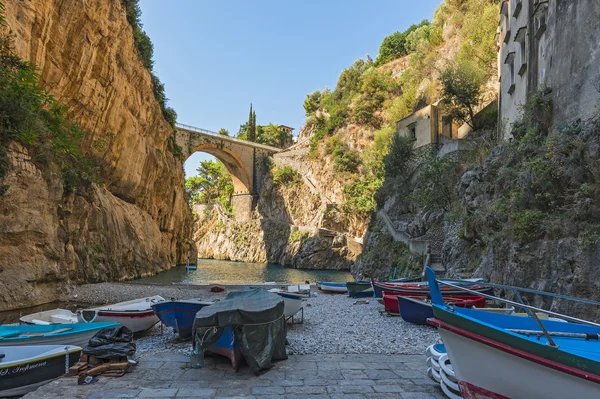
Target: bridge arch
240	175
245	161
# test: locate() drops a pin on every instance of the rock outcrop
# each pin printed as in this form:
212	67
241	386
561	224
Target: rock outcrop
136	223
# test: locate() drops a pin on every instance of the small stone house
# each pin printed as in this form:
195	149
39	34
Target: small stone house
426	125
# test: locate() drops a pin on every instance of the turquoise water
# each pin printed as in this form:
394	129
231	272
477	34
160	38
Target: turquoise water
225	272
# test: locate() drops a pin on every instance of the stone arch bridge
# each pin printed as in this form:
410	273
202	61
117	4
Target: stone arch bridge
245	161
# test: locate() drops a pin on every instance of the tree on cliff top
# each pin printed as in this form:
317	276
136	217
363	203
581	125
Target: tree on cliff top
395	45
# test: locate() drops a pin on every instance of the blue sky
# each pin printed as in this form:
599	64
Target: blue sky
217	57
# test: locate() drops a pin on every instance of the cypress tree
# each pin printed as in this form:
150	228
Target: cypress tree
252	125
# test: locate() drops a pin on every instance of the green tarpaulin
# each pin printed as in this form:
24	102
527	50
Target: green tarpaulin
256	317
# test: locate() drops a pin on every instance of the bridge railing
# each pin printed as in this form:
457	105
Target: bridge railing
228	138
197	129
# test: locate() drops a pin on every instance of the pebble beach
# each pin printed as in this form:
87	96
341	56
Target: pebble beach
333	323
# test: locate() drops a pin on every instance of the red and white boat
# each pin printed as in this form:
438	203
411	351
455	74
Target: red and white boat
422	288
137	314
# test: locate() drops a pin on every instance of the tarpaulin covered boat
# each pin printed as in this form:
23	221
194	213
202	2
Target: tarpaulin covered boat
249	322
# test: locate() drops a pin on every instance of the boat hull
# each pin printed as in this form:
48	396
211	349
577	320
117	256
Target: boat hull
76	338
19	378
292	303
508	376
135	321
422	289
333	288
359	289
417	311
228	345
179	315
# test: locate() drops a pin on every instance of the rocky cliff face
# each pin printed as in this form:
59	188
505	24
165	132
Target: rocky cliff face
288	229
138	222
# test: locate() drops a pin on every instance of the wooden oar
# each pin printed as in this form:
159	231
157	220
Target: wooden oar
587	336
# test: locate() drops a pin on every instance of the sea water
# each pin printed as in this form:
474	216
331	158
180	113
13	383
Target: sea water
224	272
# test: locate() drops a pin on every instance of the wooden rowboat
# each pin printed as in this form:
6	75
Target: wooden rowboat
417	310
422	288
25	368
179	314
523	357
54	316
359	289
137	314
334	288
54	334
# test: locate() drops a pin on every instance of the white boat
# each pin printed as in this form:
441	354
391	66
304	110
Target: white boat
54	316
137	314
338	288
292	302
25	368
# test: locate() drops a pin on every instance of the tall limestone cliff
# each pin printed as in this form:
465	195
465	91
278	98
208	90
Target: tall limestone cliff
137	222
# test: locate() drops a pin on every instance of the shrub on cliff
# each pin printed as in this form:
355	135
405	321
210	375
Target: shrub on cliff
286	176
145	49
30	116
396	46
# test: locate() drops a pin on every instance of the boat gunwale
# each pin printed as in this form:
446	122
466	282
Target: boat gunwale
537	355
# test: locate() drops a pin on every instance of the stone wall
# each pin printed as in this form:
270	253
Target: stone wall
562	53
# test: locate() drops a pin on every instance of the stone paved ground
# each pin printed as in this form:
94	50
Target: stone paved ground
302	376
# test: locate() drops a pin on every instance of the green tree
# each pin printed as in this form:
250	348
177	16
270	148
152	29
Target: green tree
312	102
461	92
394	46
223	132
272	135
251	131
212	184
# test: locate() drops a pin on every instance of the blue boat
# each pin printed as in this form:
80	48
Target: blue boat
413	310
77	334
522	357
179	314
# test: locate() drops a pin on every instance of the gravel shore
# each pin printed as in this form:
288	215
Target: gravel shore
333	324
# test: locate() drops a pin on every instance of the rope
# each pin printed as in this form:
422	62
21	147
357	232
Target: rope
214	329
67	360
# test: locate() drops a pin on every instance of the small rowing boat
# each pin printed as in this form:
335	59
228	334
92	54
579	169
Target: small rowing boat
54	334
25	368
179	314
422	288
292	303
418	310
523	357
54	316
359	289
333	288
137	314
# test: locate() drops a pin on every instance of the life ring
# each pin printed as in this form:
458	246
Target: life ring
87	316
447	368
448	391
